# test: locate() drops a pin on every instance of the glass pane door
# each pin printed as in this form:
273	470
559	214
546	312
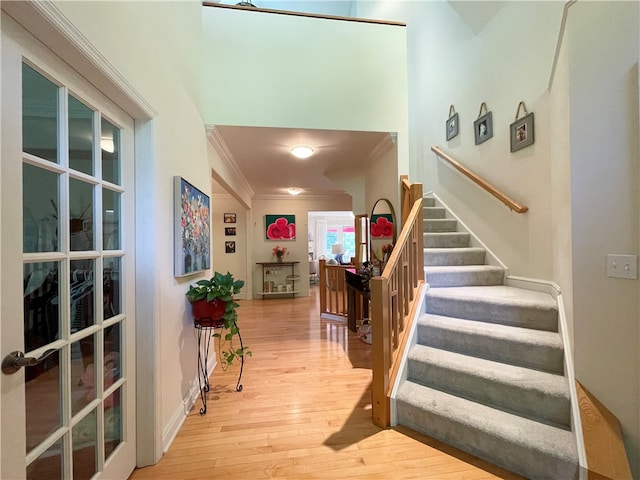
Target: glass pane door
74	277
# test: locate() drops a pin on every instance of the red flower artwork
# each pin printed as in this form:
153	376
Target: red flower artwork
381	228
281	229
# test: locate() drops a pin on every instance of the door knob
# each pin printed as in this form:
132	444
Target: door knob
15	360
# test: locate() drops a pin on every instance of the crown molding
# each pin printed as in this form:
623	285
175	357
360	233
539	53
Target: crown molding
383	146
44	20
218	144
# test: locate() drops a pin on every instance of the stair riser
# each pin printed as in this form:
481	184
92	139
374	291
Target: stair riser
462	279
433	212
446	240
519	398
539	357
443	258
440	225
512	456
518	316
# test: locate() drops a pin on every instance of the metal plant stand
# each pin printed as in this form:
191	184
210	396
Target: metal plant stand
205	328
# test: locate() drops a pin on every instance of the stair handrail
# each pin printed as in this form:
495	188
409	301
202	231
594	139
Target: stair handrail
393	300
508	201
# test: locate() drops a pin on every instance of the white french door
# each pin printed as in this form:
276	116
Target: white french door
67	271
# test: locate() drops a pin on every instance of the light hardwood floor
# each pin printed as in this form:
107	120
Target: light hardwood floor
304	412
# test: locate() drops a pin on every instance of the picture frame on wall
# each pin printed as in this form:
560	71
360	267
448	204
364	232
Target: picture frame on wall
192	229
521	131
229	218
280	227
483	126
451	126
229	247
230	231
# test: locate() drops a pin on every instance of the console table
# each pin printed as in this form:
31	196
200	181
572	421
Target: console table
277	271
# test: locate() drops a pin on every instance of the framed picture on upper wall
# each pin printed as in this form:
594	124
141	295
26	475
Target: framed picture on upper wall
522	134
280	227
452	124
229	231
483	126
192	229
229	218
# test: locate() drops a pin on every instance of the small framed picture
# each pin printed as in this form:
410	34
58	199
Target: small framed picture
229	247
229	218
522	134
483	128
452	126
229	231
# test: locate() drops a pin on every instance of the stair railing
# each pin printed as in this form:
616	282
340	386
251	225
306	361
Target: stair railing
509	202
409	193
333	289
393	300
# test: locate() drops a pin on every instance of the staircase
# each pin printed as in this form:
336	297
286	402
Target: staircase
486	374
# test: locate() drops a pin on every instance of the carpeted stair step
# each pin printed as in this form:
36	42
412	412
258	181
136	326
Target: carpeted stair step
526	392
453	256
524	347
433	212
446	239
495	304
463	275
428	202
529	448
440	225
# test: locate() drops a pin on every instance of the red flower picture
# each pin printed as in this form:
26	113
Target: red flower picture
280	227
382	226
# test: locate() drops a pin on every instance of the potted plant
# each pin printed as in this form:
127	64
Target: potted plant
213	306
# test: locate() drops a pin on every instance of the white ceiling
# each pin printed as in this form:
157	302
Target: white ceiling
263	156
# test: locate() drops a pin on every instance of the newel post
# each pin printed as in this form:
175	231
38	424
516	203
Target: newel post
381	353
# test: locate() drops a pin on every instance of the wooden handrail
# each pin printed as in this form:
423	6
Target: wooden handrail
509	202
393	298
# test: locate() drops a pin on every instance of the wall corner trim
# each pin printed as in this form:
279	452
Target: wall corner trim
218	144
44	20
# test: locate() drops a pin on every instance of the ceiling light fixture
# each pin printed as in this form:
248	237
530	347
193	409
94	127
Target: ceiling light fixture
294	191
302	151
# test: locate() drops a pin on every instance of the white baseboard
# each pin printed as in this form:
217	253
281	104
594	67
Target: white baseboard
180	415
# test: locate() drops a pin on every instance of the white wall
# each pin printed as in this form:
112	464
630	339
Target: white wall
157	47
603	78
224	262
295	72
383	165
466	53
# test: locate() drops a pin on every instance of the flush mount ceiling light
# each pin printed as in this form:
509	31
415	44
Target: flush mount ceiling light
302	151
294	191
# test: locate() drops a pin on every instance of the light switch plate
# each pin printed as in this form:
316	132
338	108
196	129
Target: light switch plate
622	266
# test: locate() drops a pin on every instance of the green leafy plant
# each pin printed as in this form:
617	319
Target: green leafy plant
222	288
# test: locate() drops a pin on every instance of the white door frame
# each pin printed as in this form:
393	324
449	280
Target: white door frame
45	22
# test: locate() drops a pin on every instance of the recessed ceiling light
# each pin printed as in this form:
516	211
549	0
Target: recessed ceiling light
294	191
302	151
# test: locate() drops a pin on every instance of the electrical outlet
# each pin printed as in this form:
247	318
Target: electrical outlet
622	266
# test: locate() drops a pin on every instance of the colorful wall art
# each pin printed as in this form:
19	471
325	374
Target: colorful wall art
382	225
280	227
192	232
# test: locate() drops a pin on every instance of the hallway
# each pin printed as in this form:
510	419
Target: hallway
304	412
